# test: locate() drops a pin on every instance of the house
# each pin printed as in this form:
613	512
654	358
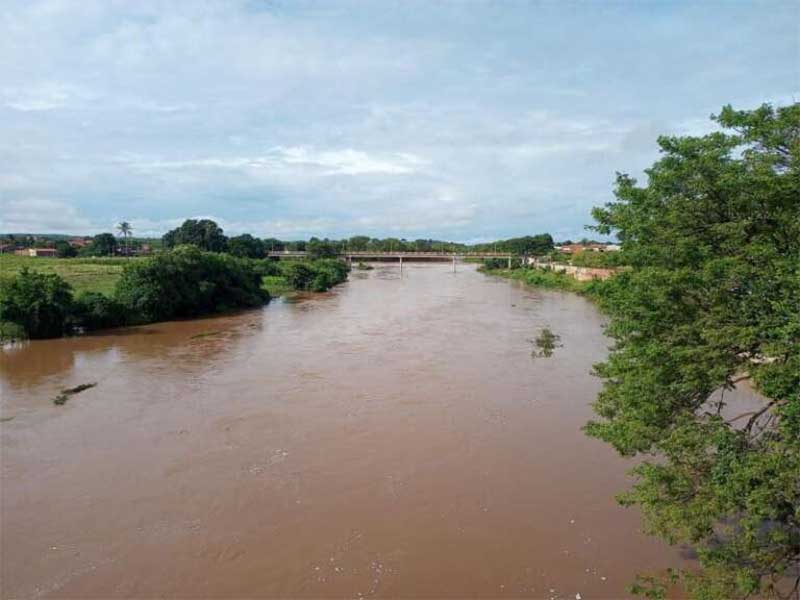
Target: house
36	252
80	242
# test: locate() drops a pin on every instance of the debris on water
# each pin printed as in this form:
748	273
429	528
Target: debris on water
572	521
78	388
546	342
578	596
6	419
62	398
205	334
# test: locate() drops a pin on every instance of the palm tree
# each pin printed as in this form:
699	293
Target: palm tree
125	230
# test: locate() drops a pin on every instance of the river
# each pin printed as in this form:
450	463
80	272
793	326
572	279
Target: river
392	438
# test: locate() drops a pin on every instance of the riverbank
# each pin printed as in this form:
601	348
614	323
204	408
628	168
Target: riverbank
548	279
46	298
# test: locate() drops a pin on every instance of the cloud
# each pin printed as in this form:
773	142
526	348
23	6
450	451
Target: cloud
342	117
43	96
41	215
307	161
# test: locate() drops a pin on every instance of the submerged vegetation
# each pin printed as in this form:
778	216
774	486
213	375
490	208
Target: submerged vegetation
62	397
546	343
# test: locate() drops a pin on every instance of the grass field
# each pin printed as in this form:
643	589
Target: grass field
83	274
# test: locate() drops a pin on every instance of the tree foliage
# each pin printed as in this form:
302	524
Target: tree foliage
712	297
103	244
246	246
203	233
189	282
65	249
38	303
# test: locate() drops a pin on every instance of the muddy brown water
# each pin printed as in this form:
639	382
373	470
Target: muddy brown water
393	438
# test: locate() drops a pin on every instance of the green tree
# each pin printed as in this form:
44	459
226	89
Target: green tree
203	233
712	298
187	282
298	275
358	242
40	304
246	246
65	249
126	231
104	244
317	248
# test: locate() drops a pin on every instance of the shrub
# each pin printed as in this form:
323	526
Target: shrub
316	275
267	267
40	304
298	275
189	282
96	311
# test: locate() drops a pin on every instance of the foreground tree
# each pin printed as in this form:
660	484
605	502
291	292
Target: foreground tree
41	304
712	299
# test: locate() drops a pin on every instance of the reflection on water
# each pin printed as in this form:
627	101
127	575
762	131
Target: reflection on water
390	438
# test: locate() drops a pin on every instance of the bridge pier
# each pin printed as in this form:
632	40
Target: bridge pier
454	264
509	263
401	265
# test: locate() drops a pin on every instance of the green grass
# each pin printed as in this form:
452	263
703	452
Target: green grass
83	274
547	279
276	285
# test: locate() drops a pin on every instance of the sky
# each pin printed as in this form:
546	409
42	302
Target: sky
467	121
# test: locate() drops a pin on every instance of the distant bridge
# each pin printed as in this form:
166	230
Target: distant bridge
381	255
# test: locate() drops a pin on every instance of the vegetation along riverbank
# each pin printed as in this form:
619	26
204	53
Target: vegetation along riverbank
41	298
709	297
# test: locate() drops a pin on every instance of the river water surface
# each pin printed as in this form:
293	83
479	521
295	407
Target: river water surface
393	438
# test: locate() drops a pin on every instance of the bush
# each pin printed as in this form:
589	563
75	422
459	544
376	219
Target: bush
10	332
315	276
39	304
96	311
188	282
298	275
267	267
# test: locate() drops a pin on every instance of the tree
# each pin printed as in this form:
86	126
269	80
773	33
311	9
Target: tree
65	249
103	244
317	248
203	233
358	243
187	282
712	298
40	304
125	230
246	246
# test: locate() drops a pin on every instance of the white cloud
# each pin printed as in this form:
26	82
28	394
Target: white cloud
41	215
298	159
43	96
322	118
349	161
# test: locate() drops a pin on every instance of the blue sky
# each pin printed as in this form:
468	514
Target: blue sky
459	120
